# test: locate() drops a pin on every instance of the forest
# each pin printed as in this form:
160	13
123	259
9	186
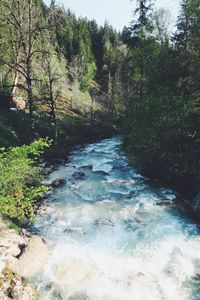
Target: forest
68	79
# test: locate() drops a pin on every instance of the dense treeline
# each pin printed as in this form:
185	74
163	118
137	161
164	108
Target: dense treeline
46	52
63	72
162	124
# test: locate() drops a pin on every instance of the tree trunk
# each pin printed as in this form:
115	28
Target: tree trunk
56	134
15	82
55	126
31	108
141	79
109	90
16	77
92	110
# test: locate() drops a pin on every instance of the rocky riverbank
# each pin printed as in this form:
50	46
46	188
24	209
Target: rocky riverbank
21	258
23	255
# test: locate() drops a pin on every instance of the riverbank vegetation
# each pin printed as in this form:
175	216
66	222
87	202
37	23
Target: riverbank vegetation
162	125
21	181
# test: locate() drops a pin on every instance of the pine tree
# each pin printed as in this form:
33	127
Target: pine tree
143	24
140	32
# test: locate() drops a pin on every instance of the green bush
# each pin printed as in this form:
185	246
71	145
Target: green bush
21	180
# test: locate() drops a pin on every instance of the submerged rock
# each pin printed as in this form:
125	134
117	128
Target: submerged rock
75	231
118	164
78	175
196	205
58	183
197	277
166	203
103	173
104	222
87	168
59	161
133	223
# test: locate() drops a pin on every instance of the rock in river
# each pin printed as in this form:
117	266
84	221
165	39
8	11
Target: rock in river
104	222
78	175
87	168
13	287
10	243
196	205
75	231
33	259
102	173
58	183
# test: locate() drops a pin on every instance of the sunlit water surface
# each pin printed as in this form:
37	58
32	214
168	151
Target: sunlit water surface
114	237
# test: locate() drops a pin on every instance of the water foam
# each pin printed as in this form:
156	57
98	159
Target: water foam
111	241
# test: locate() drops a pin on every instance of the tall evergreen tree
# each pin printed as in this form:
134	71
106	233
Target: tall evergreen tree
140	32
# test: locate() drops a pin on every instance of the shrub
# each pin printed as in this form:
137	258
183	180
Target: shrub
21	180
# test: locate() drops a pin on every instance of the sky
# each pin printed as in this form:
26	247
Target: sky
117	12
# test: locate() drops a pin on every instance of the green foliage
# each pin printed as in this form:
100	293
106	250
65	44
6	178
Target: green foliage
21	180
162	124
162	134
143	24
88	76
77	52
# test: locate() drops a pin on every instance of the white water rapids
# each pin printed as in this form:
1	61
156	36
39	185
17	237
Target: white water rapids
112	235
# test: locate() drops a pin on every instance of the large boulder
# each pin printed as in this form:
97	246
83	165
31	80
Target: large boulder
11	244
196	205
28	293
13	287
33	259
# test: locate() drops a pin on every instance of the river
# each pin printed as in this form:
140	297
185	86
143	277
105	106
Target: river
113	236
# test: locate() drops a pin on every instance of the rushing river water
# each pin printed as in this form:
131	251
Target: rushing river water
112	236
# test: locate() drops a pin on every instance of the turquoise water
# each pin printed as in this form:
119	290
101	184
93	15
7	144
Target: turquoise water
112	236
